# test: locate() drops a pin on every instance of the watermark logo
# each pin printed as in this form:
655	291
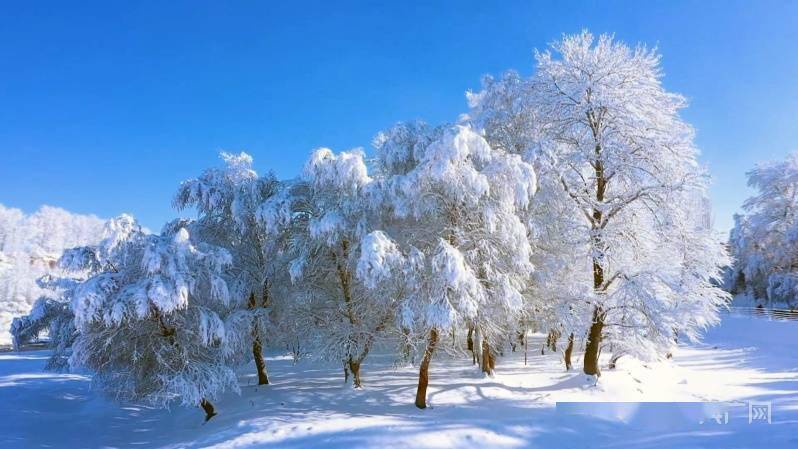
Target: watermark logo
719	418
759	411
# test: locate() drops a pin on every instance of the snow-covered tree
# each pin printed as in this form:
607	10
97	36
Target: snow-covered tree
627	162
459	206
615	221
561	280
504	112
439	234
227	201
30	246
153	326
342	299
52	311
764	240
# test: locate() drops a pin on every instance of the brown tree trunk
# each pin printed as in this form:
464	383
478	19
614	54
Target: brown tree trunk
423	373
257	347
593	347
488	360
209	410
568	351
594	343
551	340
260	363
345	280
351	365
470	342
354	367
477	352
614	360
355	362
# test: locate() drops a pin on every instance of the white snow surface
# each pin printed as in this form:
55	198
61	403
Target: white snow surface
307	405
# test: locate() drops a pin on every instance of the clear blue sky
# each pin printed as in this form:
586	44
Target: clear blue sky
106	106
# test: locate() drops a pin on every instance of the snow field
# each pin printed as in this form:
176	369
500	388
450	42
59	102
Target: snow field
308	405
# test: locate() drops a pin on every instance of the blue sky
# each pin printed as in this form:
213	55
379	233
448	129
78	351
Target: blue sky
106	106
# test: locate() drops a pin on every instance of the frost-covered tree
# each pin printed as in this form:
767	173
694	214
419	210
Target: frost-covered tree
504	112
227	201
459	206
441	236
764	240
153	327
561	280
615	221
30	246
343	297
698	247
48	230
52	311
627	161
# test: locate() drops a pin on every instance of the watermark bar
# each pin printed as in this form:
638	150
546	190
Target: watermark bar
663	415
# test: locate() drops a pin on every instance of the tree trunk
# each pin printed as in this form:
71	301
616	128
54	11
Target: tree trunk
488	360
594	343
345	280
260	363
354	367
355	362
477	352
209	410
346	372
614	360
470	342
568	351
593	347
257	346
551	339
423	374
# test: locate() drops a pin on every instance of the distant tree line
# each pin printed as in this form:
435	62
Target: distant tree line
764	240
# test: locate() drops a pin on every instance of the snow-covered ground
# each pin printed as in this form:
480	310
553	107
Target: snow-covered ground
744	359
